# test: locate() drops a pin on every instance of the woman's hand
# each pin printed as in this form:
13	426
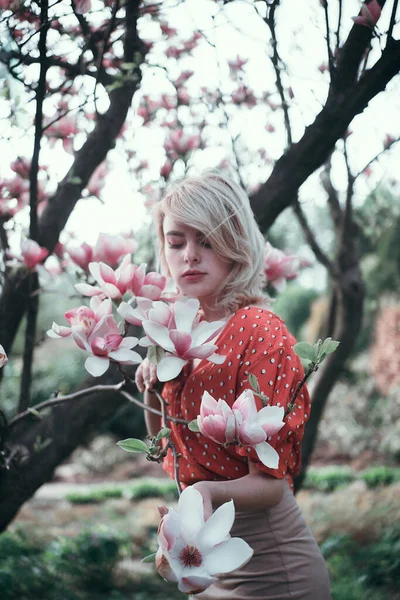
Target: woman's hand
146	376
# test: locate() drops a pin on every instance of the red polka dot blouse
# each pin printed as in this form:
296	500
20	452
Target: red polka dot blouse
256	341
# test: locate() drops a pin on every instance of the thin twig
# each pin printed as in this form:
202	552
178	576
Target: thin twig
276	60
328	45
309	235
392	22
33	298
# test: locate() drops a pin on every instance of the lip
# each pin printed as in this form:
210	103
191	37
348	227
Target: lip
192	275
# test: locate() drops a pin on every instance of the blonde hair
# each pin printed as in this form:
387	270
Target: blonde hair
220	209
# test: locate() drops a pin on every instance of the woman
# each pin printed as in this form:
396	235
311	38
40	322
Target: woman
211	247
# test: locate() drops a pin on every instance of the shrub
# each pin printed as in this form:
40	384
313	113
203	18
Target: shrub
382	475
328	479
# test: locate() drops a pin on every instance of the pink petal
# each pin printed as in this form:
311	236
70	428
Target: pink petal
181	341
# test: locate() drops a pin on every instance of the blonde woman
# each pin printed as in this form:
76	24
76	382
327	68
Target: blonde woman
211	247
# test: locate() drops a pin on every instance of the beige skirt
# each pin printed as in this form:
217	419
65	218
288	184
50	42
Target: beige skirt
287	563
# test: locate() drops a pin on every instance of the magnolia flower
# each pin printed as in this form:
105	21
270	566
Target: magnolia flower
216	420
253	428
242	424
110	248
105	343
192	551
81	255
279	267
158	312
3	357
182	335
82	6
31	254
126	278
179	143
83	318
370	13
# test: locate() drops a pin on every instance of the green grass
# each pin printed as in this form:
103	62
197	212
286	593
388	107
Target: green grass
328	479
138	491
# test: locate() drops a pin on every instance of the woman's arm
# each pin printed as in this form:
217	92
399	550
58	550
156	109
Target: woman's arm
254	491
146	378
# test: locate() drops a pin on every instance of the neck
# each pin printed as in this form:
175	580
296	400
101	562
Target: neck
214	313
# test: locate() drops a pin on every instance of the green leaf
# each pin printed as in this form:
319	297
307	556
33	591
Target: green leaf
150	558
305	351
253	381
193	426
329	345
163	433
155	354
133	445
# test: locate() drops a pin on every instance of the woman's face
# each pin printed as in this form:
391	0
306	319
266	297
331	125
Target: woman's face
194	266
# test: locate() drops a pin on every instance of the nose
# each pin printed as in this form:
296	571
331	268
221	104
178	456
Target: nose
192	254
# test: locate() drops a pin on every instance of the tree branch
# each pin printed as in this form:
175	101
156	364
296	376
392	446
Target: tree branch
313	149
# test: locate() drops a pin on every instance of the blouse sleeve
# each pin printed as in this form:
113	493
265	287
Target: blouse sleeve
278	370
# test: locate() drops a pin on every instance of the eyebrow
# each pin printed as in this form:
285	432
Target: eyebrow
180	234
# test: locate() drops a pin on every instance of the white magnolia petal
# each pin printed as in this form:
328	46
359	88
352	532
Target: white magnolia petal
271	414
97	365
205	331
191	512
111	291
194	584
217	359
267	454
129	342
125	356
104	307
217	527
169	367
227	557
159	335
144	342
94	269
185	313
87	290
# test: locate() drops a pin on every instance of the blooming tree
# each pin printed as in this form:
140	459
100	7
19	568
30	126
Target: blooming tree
77	81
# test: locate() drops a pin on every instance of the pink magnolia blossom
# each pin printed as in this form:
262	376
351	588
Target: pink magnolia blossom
110	248
370	13
237	64
166	169
279	267
179	143
105	343
21	166
253	428
183	77
242	424
3	357
192	552
96	182
81	255
167	30
82	6
63	129
146	309
126	278
32	254
183	337
84	318
216	420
